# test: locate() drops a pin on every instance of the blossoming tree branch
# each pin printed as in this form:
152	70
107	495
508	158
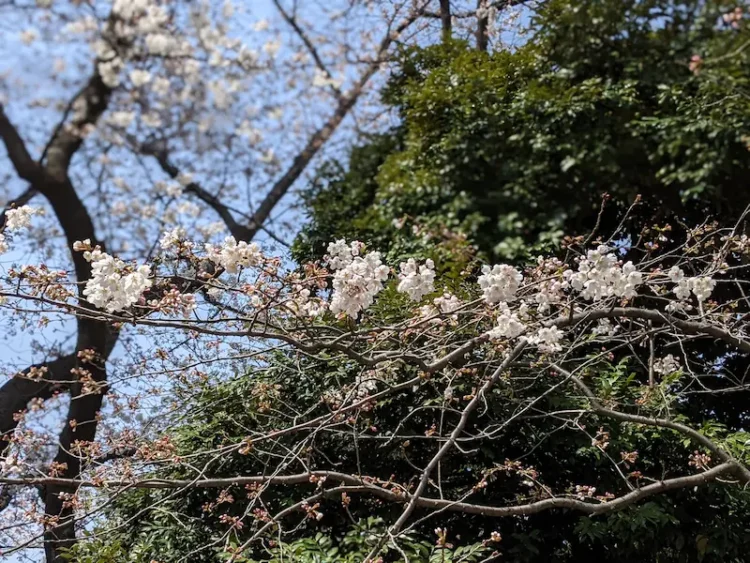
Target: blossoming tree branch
132	118
476	355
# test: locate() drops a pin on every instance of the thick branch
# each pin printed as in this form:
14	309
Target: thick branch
445	19
483	15
25	166
239	231
688	327
361	485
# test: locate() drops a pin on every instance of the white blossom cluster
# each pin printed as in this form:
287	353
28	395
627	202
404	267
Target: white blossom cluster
15	220
605	327
547	339
232	255
305	304
113	285
19	218
357	280
499	283
701	286
508	324
340	254
600	276
666	365
416	281
445	304
173	238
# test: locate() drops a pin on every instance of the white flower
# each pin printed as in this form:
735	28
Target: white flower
140	77
169	189
121	118
128	9
189	208
340	254
547	339
19	218
272	47
151	119
159	44
29	36
232	255
110	71
161	86
605	328
366	386
508	324
499	283
416	281
114	287
626	280
447	303
185	179
702	287
173	238
666	365
356	284
599	276
321	79
682	284
3	244
303	303
227	10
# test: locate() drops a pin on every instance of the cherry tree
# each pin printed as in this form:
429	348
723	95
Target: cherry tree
480	354
132	124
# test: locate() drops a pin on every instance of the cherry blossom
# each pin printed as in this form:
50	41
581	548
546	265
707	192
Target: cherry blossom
416	281
499	283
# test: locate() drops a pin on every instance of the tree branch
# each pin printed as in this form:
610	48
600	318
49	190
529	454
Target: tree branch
318	139
292	21
372	486
25	166
239	231
738	469
445	19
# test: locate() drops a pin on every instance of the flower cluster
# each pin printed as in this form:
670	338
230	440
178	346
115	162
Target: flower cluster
114	285
508	324
547	339
600	276
416	281
173	238
19	218
232	255
357	280
340	254
499	283
666	365
701	286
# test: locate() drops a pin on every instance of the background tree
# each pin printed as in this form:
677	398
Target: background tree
516	148
497	156
124	119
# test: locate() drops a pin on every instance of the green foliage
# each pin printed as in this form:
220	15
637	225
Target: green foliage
356	544
503	153
514	149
